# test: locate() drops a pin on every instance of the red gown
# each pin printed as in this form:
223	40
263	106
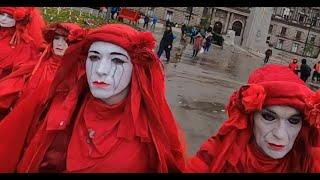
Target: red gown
16	65
79	133
233	149
45	73
94	145
294	67
249	159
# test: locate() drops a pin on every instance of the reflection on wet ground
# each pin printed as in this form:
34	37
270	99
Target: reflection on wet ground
198	88
208	107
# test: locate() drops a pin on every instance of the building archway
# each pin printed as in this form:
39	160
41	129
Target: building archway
217	27
237	27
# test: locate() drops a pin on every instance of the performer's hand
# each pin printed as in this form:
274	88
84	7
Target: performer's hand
54	159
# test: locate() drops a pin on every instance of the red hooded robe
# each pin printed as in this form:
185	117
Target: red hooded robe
80	133
20	48
233	148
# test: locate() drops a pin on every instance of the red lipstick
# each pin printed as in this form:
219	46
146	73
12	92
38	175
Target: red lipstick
276	147
100	84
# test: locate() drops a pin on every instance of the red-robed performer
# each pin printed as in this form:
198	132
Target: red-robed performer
294	65
58	37
20	43
272	127
109	112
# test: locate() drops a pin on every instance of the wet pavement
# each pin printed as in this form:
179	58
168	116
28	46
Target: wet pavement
199	88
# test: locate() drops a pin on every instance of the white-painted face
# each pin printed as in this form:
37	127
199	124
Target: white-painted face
276	129
60	45
7	20
109	69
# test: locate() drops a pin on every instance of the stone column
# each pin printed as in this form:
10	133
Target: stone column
227	23
230	21
213	16
256	30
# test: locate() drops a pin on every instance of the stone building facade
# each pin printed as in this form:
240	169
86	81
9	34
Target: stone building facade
293	30
221	18
296	30
177	15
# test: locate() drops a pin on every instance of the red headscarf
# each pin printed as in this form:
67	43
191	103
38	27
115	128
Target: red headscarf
146	97
12	85
19	50
233	149
29	24
18	81
22	43
63	29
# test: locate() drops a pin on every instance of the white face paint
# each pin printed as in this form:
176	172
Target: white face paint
7	20
60	45
276	129
109	69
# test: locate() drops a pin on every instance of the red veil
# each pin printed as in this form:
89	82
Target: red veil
233	148
147	99
20	47
22	40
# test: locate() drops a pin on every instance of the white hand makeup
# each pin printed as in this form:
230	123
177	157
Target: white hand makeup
7	20
276	129
109	69
59	45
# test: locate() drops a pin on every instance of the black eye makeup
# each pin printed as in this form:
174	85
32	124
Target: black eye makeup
8	15
295	119
94	57
118	61
268	115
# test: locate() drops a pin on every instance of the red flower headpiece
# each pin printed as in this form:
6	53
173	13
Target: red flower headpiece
142	48
18	13
21	14
73	32
252	97
312	111
77	35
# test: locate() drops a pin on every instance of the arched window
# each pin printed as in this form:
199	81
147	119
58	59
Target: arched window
237	27
217	27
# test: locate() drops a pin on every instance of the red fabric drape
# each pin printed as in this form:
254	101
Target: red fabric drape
150	119
233	148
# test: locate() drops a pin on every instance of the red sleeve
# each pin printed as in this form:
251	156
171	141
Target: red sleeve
315	152
202	161
196	165
55	157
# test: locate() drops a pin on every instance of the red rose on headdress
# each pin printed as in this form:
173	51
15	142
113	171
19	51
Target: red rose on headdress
253	96
312	110
142	48
19	14
77	34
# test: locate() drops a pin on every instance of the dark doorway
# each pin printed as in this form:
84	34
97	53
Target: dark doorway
237	27
217	27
